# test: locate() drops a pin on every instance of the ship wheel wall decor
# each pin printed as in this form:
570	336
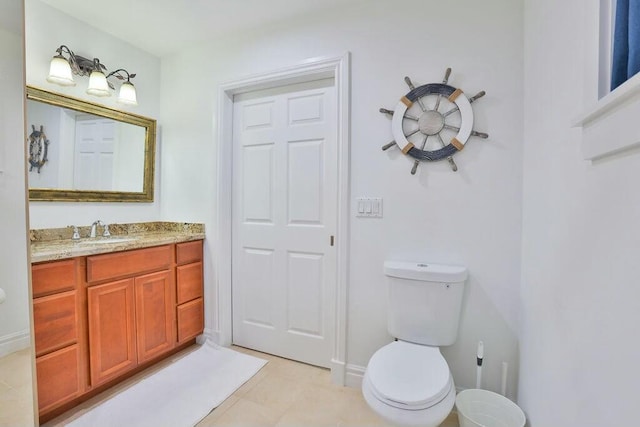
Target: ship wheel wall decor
430	122
38	148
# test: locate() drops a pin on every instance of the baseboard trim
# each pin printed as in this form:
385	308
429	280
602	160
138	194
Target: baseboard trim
14	342
354	376
337	372
208	334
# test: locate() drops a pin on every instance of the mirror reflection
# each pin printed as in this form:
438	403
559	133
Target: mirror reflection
83	151
79	151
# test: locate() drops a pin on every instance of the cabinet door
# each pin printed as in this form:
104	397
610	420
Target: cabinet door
154	314
112	337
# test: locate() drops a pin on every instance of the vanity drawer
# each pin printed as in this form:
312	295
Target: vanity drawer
58	377
189	252
190	320
128	263
189	282
51	277
55	321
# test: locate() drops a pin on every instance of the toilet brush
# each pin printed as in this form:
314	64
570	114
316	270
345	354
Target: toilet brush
479	357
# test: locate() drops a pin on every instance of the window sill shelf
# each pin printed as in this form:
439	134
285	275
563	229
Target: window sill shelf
612	124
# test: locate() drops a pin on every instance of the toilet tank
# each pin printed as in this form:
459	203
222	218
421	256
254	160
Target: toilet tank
425	301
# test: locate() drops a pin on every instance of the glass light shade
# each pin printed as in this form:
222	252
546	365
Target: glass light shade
127	94
60	72
98	85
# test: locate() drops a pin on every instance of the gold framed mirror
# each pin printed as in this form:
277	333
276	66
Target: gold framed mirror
95	153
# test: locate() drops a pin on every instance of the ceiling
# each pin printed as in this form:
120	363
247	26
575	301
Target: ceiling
162	27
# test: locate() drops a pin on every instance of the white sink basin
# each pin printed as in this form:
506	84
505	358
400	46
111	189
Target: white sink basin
106	240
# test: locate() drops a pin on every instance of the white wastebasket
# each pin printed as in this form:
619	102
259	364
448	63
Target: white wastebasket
484	408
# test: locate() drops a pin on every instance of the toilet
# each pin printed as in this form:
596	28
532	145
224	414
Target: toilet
408	382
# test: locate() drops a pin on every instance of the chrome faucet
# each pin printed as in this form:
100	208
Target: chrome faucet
76	233
94	227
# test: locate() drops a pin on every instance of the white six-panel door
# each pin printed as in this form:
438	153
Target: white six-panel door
284	214
94	154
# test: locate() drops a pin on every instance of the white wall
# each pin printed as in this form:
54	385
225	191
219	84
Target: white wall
472	217
14	279
14	259
47	29
580	294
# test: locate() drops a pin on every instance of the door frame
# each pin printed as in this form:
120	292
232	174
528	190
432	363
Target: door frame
337	68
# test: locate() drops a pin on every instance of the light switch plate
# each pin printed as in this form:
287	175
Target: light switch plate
369	207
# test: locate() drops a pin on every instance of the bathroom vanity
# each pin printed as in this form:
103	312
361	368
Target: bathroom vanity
106	308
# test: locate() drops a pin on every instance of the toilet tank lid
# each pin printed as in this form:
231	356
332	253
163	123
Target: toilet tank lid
427	272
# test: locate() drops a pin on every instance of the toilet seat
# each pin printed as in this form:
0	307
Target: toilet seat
409	376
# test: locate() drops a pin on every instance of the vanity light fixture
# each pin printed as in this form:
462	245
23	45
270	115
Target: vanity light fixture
62	69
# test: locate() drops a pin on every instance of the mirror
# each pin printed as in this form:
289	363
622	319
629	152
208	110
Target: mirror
84	152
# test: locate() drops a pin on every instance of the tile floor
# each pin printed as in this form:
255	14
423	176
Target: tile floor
283	393
288	393
16	396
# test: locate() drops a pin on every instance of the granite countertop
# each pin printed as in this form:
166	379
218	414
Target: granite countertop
56	243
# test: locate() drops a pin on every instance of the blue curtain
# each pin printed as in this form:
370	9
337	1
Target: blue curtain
626	42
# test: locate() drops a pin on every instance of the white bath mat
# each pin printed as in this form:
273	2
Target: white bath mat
179	395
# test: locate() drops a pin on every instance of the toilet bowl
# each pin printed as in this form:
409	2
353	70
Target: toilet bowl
409	384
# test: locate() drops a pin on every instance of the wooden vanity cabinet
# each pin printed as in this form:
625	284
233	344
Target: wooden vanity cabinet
189	290
58	332
131	319
101	318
